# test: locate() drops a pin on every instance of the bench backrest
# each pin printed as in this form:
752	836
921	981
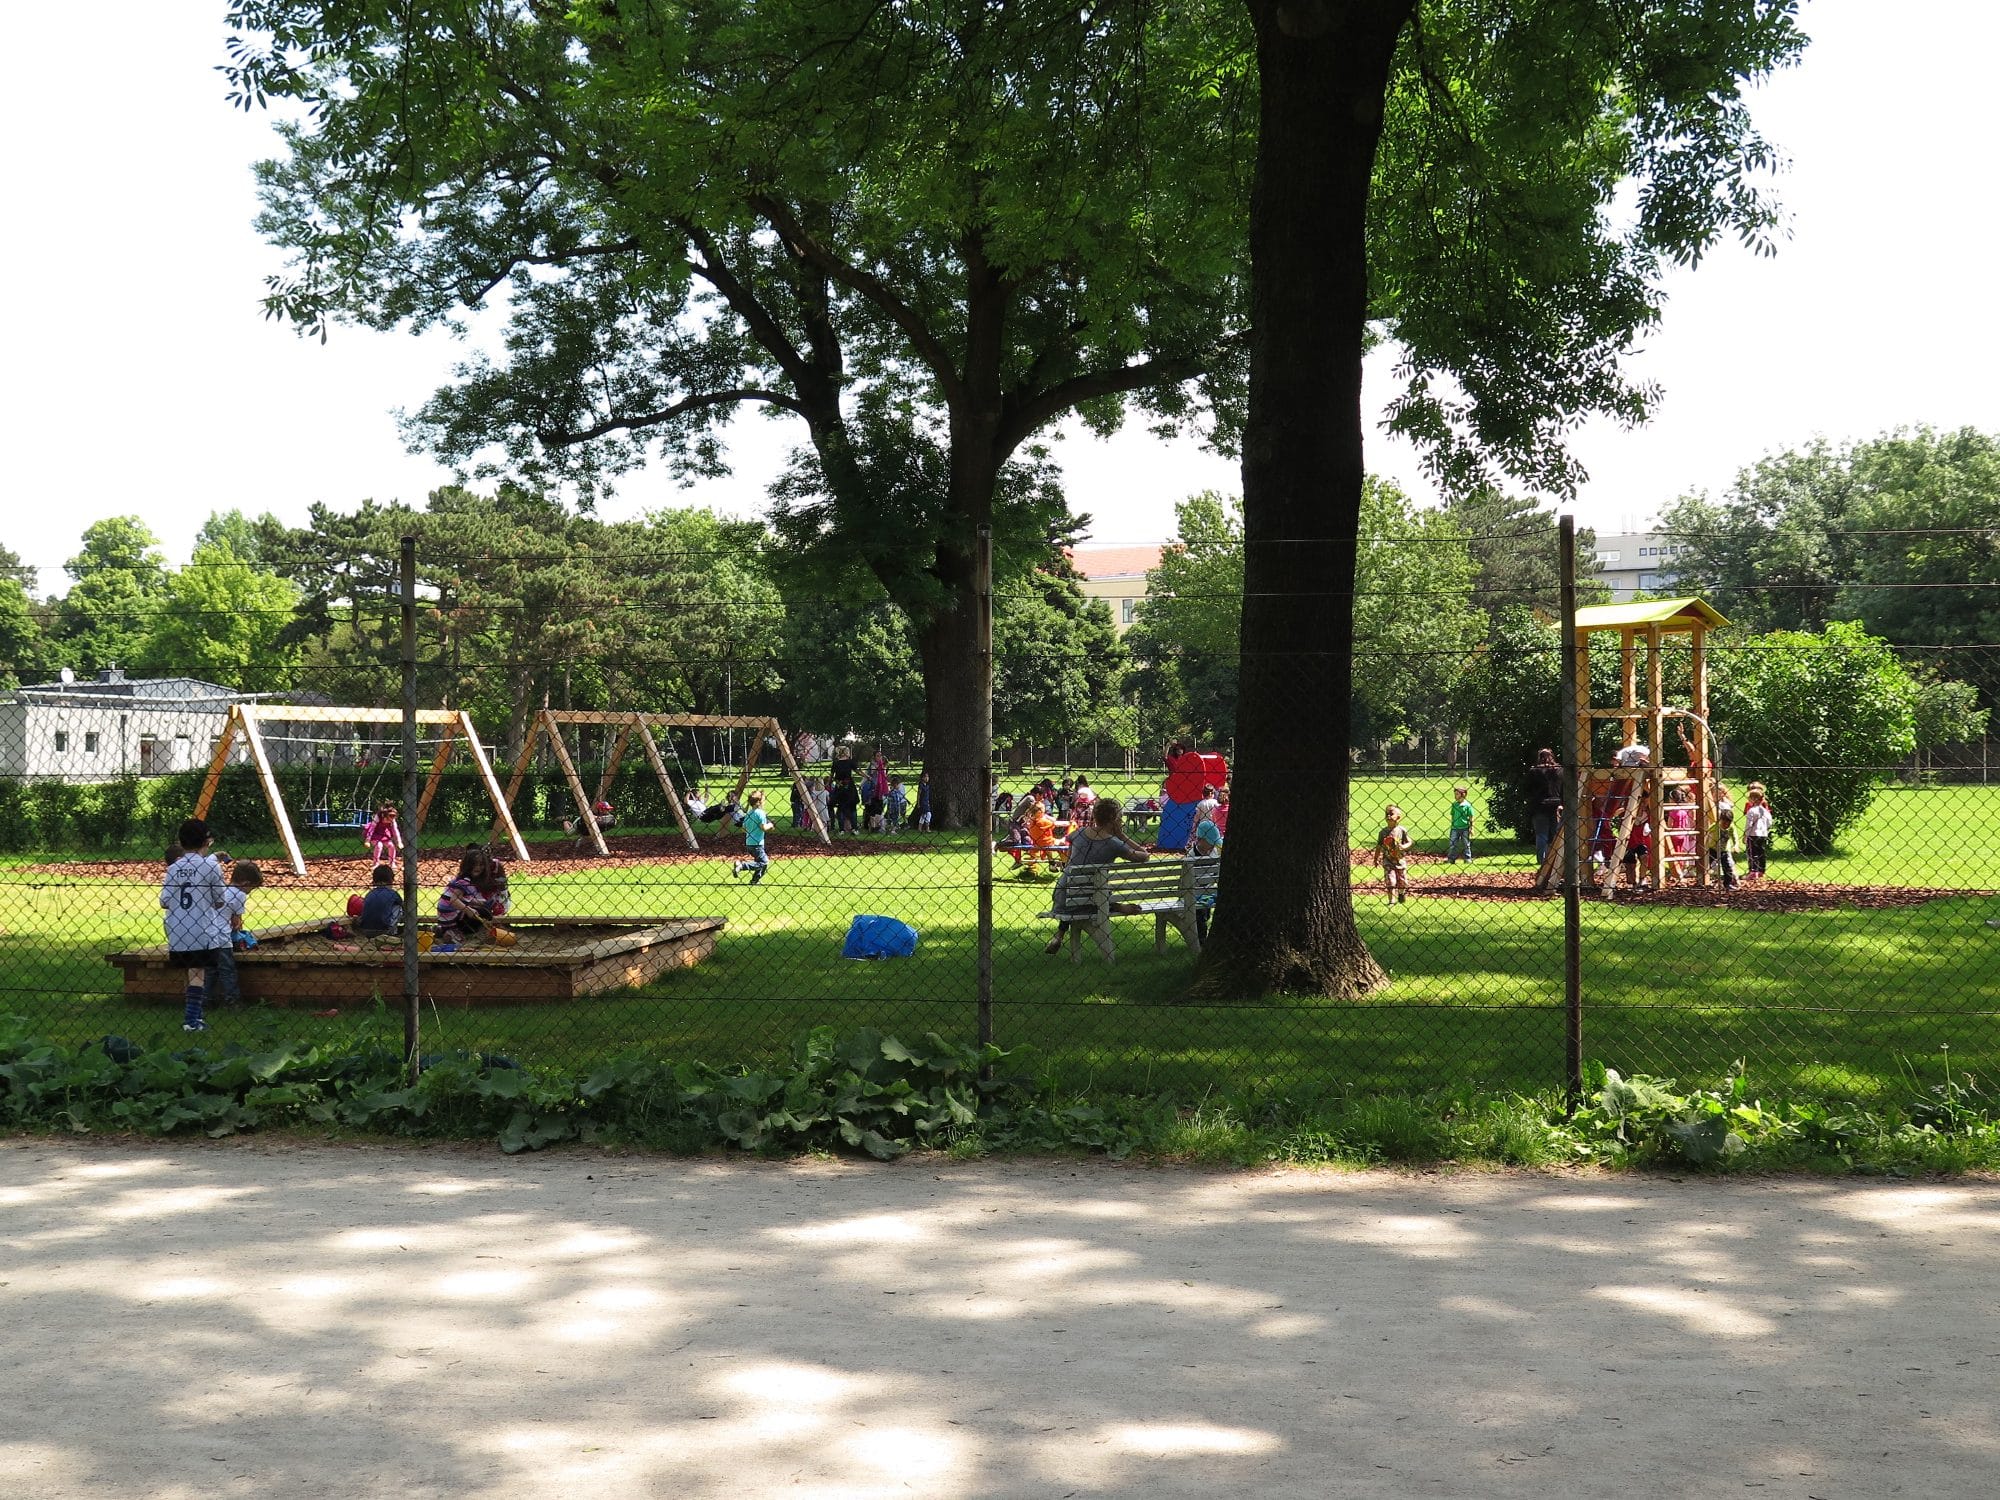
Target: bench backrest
1155	880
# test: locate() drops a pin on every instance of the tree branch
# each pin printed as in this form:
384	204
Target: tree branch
558	258
713	267
873	289
550	439
1026	415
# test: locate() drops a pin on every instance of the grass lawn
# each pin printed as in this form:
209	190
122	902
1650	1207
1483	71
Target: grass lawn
1823	1001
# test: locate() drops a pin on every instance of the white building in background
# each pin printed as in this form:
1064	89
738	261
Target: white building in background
112	726
1117	575
1631	563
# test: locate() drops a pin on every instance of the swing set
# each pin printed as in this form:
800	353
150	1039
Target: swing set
248	721
632	724
358	810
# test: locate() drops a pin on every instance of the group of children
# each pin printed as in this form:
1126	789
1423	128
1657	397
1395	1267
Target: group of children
1036	818
1607	814
205	902
875	801
1680	826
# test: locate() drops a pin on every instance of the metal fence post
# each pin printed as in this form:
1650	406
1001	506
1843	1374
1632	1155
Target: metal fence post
411	792
983	569
1572	819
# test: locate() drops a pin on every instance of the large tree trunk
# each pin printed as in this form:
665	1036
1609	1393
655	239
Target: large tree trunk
1286	922
956	752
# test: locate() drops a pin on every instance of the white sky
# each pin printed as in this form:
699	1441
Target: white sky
139	374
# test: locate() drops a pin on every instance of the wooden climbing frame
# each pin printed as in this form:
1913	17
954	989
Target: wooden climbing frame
1642	631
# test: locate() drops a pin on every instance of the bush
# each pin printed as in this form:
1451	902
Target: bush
1513	707
107	814
53	807
1822	720
16	821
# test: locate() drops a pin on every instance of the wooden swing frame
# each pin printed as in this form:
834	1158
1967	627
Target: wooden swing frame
248	720
635	724
1649	625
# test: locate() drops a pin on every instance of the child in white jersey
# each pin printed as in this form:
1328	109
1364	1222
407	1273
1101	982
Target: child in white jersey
195	913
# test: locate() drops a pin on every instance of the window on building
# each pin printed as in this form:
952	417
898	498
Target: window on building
62	741
90	742
1128	611
1606	559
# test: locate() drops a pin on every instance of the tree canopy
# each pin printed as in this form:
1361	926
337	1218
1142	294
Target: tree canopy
221	619
23	649
1895	531
1186	639
1515	560
926	233
117	578
1414	624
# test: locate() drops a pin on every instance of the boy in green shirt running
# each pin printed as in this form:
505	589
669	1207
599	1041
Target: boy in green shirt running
1462	817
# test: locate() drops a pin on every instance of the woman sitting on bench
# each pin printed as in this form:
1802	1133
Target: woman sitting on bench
1101	843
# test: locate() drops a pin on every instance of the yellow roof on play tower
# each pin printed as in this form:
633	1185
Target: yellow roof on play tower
1669	614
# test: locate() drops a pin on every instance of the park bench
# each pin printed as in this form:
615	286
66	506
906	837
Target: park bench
1167	890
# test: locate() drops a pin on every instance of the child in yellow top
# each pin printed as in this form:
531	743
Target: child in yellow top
1392	848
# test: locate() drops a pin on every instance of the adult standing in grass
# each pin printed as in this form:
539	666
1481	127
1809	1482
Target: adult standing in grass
1545	796
846	797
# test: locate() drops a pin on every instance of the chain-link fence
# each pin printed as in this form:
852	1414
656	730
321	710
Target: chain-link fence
626	844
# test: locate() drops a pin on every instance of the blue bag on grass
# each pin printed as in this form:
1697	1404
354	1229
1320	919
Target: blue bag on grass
879	937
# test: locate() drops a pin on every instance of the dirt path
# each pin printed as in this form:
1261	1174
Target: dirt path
256	1321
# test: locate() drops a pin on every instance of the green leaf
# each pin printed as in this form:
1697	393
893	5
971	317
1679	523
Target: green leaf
1705	1141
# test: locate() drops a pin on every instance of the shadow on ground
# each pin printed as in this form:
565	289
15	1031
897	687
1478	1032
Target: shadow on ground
186	1321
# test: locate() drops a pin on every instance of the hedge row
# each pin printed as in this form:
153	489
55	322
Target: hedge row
129	814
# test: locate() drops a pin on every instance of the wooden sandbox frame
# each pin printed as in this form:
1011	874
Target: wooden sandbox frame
248	719
645	949
1649	624
635	723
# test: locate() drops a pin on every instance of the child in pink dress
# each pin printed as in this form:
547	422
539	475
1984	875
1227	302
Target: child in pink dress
383	836
1680	820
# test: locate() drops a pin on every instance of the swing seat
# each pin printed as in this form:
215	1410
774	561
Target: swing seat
321	817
